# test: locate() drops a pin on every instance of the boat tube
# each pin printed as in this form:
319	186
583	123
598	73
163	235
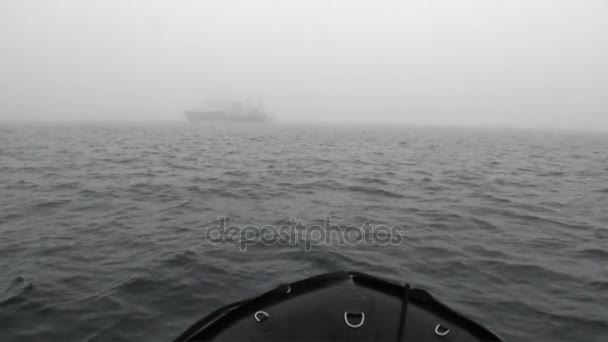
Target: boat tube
344	306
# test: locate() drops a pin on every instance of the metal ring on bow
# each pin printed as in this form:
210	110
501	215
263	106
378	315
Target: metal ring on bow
354	325
441	331
261	316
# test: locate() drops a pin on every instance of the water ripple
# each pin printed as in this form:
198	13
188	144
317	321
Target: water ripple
104	227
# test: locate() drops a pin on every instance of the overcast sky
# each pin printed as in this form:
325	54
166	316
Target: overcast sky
528	63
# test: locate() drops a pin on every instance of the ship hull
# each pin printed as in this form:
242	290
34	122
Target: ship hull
199	117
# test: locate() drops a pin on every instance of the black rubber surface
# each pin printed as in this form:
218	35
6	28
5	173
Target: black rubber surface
344	306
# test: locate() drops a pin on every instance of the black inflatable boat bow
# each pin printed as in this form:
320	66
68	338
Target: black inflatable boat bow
343	306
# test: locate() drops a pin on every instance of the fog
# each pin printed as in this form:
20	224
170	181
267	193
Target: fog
481	63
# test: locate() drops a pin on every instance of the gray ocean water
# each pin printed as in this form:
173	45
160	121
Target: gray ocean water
103	226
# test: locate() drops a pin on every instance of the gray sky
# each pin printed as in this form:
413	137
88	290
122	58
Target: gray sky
528	63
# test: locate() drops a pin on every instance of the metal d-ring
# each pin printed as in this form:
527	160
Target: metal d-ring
354	325
261	316
441	331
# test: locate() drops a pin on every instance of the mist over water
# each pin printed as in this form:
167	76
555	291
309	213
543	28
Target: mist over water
532	64
103	226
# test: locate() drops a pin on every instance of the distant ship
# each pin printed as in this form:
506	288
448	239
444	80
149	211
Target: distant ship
234	112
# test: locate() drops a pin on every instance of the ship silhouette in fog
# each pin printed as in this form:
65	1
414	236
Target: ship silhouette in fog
232	112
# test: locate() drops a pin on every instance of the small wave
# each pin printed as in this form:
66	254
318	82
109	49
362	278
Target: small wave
21	185
236	173
486	252
123	160
361	162
511	269
15	291
592	253
433	187
506	182
285	222
552	174
333	261
92	193
199	179
51	204
184	204
67	185
599	285
526	308
373	191
540	219
8	217
220	193
148	188
422	172
182	166
180	259
372	180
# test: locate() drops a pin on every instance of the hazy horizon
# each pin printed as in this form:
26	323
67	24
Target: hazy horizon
541	64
